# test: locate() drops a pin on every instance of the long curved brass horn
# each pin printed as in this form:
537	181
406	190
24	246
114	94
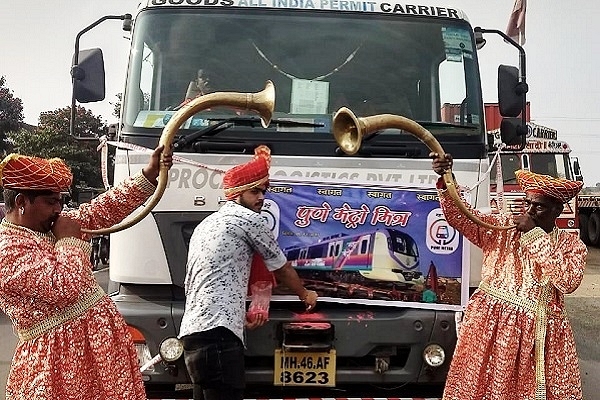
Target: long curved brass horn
349	131
262	102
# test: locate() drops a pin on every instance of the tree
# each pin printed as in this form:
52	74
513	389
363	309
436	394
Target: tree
117	105
52	139
11	112
86	123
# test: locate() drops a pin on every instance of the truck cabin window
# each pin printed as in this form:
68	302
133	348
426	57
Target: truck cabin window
425	71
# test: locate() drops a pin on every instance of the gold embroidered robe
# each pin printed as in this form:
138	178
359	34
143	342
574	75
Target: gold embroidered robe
90	356
521	299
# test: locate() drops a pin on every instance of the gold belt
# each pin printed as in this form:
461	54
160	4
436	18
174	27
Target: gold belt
540	309
68	314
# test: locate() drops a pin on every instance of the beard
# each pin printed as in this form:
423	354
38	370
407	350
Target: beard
254	206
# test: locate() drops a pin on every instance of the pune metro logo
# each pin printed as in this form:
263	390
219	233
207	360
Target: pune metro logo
270	213
441	238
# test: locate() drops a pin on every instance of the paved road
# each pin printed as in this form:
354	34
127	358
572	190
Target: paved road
581	305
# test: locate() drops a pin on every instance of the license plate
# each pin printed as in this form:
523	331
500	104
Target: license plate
304	369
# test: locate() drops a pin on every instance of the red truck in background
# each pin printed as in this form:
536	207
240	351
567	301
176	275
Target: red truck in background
543	154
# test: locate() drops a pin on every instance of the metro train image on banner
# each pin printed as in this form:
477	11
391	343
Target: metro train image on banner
384	254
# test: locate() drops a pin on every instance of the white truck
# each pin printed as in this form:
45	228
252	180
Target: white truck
364	230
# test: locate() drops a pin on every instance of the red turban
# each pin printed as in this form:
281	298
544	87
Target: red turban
248	176
34	173
558	188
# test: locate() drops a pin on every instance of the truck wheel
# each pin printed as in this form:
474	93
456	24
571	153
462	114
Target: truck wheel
594	229
583	228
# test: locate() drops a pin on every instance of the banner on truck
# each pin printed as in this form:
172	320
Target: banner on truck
369	244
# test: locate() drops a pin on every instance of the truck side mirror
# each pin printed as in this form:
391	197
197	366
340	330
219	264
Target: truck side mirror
512	132
577	169
511	92
88	76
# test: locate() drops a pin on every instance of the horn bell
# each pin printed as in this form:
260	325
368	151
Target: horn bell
347	131
263	102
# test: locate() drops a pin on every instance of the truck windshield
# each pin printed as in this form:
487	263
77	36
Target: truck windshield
319	61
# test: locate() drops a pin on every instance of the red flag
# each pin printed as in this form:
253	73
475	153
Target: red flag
516	23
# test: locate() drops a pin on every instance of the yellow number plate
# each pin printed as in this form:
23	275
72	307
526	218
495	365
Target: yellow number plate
304	369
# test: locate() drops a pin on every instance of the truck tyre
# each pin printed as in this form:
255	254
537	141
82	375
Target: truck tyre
594	229
584	220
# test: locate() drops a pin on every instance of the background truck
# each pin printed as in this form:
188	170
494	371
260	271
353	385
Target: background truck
588	207
543	154
364	230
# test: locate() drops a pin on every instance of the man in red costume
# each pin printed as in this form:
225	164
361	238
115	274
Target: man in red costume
73	343
515	341
220	255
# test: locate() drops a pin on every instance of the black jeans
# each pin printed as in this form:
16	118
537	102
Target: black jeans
215	363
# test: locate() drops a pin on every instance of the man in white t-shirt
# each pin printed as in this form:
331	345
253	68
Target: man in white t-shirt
218	268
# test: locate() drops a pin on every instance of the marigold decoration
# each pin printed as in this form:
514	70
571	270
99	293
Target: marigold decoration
248	176
558	188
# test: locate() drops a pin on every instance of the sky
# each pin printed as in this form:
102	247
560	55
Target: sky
562	49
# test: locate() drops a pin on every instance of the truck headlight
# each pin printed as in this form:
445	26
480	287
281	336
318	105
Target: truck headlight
434	355
170	349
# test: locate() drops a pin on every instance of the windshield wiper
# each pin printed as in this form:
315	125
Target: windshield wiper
446	125
226	123
425	124
252	121
389	150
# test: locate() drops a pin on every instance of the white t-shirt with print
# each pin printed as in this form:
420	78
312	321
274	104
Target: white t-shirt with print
218	268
